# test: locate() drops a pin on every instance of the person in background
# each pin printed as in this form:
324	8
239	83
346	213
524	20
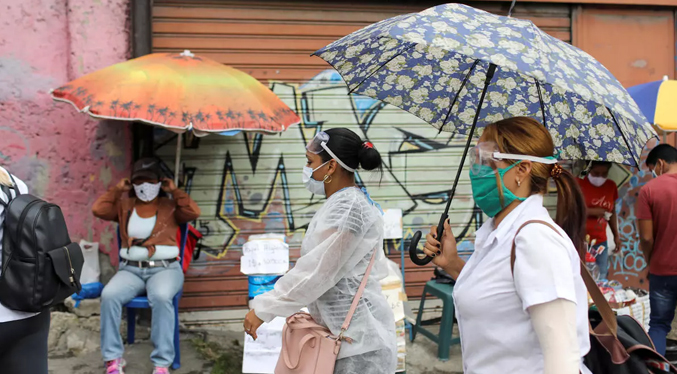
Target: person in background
23	336
656	213
339	243
601	194
148	220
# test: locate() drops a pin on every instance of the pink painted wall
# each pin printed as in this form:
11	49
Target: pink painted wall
62	155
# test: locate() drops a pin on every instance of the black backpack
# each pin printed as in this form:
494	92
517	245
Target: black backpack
40	265
634	354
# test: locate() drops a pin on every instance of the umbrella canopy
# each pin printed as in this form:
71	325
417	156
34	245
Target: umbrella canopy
180	92
658	102
434	64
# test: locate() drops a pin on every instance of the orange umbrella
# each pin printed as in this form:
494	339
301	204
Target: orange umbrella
180	92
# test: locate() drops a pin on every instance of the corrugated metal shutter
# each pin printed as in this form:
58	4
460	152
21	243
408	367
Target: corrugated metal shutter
250	184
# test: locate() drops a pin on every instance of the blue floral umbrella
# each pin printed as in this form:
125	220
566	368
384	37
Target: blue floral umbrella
446	62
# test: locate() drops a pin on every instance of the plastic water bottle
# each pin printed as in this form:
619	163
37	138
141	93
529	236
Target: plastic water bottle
592	266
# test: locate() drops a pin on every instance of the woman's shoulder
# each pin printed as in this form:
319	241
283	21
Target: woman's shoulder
538	239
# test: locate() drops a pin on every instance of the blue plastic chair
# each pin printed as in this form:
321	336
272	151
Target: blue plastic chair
141	302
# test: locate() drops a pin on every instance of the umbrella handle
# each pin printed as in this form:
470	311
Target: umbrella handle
413	245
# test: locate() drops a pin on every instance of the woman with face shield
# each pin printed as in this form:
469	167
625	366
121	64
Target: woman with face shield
533	318
148	221
343	238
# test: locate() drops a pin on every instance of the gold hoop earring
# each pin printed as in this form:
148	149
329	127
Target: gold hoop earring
327	179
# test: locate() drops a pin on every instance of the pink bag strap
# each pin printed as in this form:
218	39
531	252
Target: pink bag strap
358	295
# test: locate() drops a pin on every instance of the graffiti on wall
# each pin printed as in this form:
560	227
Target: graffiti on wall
250	184
629	266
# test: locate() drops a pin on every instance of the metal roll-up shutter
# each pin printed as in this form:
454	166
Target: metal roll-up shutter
251	184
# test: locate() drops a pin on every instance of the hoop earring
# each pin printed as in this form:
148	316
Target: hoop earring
327	179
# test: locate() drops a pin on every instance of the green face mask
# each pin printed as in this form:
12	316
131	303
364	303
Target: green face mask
485	189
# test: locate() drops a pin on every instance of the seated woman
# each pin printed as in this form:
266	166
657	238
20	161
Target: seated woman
148	221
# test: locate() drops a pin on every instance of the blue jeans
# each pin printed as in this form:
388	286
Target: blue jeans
160	284
663	299
602	261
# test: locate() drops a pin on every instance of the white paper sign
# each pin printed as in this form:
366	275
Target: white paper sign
260	355
393	296
392	222
90	269
264	257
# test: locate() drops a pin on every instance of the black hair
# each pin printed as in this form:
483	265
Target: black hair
664	152
352	150
606	164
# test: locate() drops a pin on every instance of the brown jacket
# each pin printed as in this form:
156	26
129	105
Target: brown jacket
117	206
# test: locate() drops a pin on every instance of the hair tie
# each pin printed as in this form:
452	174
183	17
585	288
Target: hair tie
556	171
369	145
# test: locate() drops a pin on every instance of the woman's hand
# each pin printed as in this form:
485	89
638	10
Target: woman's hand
618	242
252	323
168	185
444	253
124	185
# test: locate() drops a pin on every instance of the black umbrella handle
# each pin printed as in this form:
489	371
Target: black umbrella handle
413	245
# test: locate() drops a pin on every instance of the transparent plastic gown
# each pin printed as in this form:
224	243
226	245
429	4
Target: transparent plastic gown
335	253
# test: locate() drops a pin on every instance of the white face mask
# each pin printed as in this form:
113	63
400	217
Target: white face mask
596	181
655	173
147	191
315	187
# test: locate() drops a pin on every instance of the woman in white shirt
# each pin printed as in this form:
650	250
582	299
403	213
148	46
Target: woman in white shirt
23	336
338	245
535	319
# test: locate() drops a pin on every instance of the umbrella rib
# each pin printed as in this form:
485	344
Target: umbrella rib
540	98
632	154
465	80
381	67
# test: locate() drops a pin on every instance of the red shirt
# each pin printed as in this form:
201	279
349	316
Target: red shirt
604	196
658	202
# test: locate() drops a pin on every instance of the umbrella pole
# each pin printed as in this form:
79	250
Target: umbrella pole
177	160
413	246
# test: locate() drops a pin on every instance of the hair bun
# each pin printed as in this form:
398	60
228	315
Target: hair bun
370	158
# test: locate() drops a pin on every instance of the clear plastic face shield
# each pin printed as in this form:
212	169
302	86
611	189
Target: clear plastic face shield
319	144
485	156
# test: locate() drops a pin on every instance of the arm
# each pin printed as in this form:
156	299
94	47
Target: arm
645	222
555	326
646	239
343	240
596	212
106	206
613	224
186	208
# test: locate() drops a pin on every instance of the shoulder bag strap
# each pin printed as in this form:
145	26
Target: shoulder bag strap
608	315
358	295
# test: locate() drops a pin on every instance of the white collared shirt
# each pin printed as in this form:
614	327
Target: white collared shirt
497	335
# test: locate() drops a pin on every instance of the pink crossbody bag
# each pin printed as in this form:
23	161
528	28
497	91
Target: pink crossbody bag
310	348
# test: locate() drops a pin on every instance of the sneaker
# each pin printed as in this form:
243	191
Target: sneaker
116	366
159	370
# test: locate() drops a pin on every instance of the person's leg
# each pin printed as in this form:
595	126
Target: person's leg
27	352
122	288
602	261
663	300
161	288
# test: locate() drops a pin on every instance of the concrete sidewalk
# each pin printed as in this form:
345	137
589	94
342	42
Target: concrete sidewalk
421	356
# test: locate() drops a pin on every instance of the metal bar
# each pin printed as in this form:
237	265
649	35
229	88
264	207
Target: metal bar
540	99
465	80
